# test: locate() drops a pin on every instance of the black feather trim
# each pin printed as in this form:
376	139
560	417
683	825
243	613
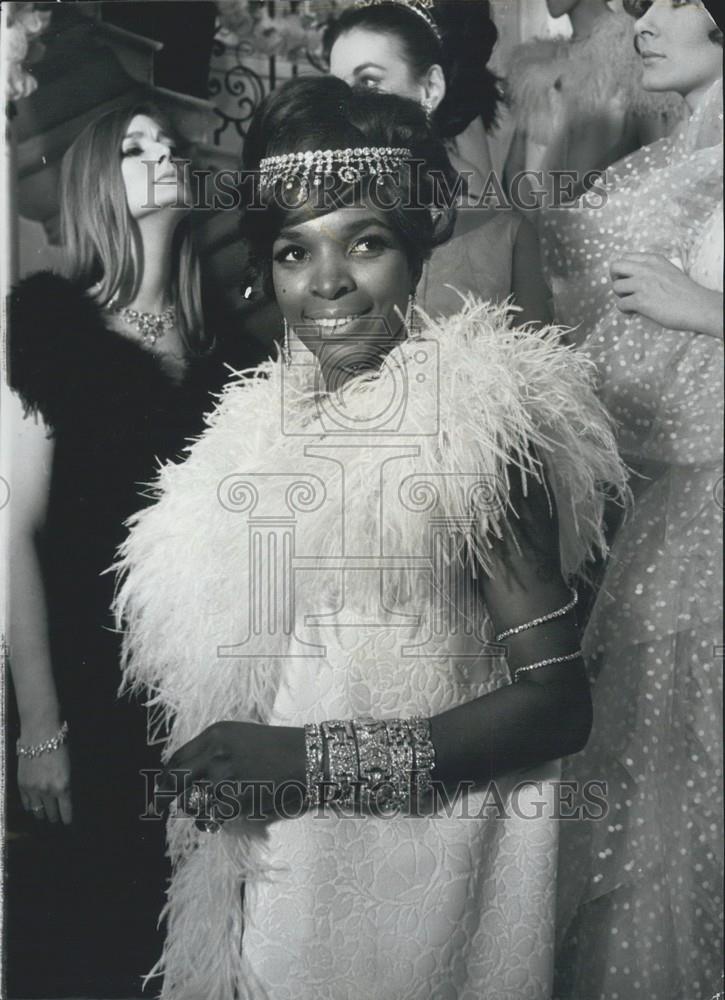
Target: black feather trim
68	365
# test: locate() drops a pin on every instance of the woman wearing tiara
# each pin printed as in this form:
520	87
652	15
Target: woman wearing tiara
640	277
437	54
444	47
356	521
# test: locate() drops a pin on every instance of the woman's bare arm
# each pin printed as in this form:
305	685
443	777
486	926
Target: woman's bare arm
546	713
44	779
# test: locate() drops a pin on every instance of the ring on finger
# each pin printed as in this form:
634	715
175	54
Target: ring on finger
199	802
209	825
193	800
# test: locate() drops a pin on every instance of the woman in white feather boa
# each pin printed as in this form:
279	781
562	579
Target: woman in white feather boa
352	527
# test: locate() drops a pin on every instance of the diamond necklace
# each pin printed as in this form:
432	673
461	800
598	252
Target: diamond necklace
150	325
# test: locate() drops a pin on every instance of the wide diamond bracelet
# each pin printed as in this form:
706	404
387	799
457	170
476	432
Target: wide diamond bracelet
377	764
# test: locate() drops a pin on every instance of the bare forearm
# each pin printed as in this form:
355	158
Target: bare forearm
30	662
543	715
512	728
546	713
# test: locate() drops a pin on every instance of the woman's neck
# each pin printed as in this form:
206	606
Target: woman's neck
699	94
154	290
585	16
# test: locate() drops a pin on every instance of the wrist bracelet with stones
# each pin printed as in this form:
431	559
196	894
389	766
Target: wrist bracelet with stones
386	761
343	767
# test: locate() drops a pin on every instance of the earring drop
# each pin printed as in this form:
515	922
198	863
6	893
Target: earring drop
411	318
286	350
427	105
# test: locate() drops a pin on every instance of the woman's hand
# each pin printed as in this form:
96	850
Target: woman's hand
648	284
239	769
44	784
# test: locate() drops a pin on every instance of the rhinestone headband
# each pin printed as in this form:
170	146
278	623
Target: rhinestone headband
349	164
419	7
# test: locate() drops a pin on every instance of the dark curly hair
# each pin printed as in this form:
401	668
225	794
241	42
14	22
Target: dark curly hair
312	113
468	35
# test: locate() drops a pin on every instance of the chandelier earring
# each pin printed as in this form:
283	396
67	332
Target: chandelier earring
412	322
286	349
428	106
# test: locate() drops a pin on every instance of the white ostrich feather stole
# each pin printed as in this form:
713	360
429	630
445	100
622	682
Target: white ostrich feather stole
283	469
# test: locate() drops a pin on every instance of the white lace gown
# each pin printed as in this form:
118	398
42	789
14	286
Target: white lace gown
443	907
640	893
411	908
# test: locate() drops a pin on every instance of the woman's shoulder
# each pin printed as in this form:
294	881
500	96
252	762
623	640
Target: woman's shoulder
508	378
506	394
46	298
484	329
66	361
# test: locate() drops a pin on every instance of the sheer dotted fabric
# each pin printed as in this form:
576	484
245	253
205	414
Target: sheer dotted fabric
640	893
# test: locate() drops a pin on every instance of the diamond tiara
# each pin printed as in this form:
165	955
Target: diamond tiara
419	7
349	164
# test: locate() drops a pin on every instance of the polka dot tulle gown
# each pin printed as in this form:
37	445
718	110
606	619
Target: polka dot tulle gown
640	894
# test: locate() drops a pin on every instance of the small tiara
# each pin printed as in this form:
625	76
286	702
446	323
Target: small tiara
349	165
419	7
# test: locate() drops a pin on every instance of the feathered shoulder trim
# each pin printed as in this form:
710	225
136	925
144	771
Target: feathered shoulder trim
482	402
67	364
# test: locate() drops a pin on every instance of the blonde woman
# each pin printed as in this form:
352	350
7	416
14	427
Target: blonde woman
110	365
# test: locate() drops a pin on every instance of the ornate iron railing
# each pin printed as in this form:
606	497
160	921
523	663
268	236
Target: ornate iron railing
235	89
241	75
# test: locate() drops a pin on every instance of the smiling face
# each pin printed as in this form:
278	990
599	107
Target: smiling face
342	280
675	48
151	177
376	60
